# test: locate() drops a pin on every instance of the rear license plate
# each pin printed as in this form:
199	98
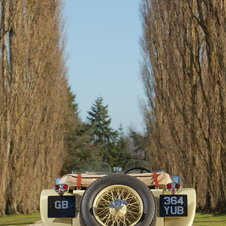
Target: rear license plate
61	206
173	206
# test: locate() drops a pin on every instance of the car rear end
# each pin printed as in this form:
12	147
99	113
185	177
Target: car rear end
176	209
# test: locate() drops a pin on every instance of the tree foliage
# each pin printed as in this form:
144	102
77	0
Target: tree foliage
104	136
80	149
122	149
95	141
113	144
99	118
183	73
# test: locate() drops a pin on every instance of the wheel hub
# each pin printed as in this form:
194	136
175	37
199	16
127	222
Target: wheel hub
118	204
118	208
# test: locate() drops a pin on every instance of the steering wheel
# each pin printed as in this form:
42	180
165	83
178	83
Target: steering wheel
141	168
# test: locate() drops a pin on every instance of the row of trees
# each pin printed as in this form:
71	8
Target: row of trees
35	102
184	76
183	73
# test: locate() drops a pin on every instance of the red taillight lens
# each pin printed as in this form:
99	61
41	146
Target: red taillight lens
56	187
177	186
65	186
168	186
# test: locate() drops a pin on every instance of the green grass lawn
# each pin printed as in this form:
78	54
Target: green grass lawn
19	219
201	219
210	219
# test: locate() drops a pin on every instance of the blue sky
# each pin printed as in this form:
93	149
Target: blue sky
103	45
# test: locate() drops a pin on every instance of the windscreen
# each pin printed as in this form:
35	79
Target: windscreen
97	167
138	163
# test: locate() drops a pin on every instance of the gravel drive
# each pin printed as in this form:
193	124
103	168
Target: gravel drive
38	223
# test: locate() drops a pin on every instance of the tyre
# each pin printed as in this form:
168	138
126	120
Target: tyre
118	200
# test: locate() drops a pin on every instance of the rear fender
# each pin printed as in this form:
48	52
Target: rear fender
58	221
177	221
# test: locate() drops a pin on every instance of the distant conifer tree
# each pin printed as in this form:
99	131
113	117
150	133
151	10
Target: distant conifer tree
104	136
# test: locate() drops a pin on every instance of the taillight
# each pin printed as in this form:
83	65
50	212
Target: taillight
168	186
177	186
65	186
61	188
56	187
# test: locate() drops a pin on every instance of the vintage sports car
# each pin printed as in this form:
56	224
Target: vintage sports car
136	197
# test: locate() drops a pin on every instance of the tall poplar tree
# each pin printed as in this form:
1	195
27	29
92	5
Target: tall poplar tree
184	76
34	106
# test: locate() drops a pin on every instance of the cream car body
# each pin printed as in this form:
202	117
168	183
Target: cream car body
160	221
